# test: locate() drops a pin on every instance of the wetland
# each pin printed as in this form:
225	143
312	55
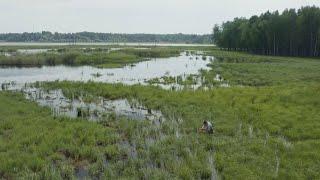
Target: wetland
104	111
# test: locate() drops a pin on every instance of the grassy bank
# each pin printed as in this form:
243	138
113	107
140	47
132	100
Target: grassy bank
100	57
254	70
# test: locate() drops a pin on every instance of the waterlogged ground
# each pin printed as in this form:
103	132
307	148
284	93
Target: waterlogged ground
95	110
139	73
102	110
19	79
266	123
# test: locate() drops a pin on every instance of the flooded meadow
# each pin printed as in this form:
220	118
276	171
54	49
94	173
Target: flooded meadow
94	110
105	113
21	79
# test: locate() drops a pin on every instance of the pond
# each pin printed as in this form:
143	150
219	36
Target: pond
139	73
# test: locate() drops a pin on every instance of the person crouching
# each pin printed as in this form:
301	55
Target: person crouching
206	127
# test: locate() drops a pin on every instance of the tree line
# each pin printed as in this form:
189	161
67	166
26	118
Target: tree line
46	36
290	33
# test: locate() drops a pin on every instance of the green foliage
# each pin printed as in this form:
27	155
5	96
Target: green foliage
292	33
104	37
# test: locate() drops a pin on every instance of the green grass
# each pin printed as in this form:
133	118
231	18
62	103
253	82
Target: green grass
34	144
160	52
95	57
254	127
266	128
253	70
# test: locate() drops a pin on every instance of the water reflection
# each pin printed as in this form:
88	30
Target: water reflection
94	110
32	51
140	73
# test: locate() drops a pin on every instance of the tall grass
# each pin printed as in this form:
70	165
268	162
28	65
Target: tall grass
33	142
268	128
253	70
255	129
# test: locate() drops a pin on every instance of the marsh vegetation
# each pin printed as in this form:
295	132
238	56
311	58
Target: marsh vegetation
266	124
99	57
183	66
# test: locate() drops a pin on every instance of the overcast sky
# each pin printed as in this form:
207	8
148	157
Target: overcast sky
131	16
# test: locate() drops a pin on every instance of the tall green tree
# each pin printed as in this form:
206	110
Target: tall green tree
291	33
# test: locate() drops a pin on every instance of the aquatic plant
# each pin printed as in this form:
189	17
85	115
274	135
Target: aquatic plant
96	75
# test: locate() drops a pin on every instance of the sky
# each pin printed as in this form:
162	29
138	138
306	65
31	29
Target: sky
131	16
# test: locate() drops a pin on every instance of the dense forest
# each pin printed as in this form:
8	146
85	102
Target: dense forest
46	36
292	33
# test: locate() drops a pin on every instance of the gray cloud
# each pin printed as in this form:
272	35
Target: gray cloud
131	16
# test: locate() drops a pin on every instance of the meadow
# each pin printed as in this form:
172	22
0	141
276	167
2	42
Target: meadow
266	127
239	68
270	132
36	145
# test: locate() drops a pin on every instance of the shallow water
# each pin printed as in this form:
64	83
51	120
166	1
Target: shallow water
39	51
77	108
32	51
138	73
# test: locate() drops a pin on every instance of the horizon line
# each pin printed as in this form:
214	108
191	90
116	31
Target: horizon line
144	33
